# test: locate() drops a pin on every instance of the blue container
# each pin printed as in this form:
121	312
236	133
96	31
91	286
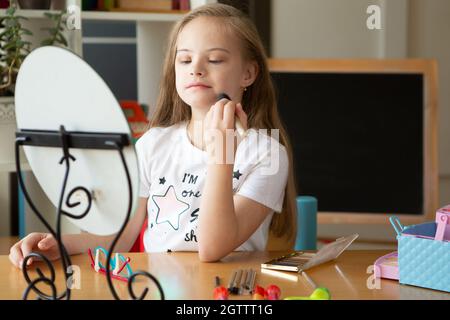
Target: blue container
306	223
423	260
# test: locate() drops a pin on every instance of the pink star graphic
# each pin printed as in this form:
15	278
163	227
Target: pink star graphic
170	207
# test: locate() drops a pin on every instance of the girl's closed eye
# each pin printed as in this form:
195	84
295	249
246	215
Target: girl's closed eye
184	60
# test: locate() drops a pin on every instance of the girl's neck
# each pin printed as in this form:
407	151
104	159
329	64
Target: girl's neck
195	133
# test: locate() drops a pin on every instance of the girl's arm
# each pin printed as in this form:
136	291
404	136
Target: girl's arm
45	244
80	243
225	221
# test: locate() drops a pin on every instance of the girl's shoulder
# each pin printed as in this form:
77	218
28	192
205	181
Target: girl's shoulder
261	144
158	135
263	139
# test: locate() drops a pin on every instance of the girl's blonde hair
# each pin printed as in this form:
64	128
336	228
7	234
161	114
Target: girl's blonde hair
259	101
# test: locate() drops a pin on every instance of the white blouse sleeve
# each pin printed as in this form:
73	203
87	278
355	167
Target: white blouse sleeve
144	169
267	180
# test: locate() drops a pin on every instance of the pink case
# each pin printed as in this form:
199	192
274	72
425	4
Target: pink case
443	224
387	266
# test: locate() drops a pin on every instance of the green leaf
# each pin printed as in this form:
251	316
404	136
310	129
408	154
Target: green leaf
26	32
63	40
46	42
24	29
10	11
4	33
10	46
11	23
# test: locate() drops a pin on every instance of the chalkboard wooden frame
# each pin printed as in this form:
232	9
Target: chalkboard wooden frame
427	67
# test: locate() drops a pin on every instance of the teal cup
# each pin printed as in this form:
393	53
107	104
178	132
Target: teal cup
306	223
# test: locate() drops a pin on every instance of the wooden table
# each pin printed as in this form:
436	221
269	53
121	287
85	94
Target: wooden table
183	276
6	243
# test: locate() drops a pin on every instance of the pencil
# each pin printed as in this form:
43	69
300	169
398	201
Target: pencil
217	281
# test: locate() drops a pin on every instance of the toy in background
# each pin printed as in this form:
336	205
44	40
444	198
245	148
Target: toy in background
136	115
423	253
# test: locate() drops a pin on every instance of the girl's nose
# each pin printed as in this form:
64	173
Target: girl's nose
197	70
197	73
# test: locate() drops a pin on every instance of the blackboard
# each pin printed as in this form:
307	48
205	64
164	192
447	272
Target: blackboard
358	138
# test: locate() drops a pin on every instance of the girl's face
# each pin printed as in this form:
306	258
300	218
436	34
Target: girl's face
208	62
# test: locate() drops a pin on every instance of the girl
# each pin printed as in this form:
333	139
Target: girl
199	190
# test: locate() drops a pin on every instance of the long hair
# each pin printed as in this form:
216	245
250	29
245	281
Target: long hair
258	101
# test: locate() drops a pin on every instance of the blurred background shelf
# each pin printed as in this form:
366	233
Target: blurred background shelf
115	15
119	15
31	14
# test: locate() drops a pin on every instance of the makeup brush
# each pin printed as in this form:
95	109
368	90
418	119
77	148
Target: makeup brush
239	127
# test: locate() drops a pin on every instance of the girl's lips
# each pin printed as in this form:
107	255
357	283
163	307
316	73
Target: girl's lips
198	85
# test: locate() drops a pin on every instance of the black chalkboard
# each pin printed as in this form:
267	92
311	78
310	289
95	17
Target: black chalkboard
357	139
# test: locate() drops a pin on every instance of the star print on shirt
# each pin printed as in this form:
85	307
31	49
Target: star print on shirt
169	208
162	180
237	174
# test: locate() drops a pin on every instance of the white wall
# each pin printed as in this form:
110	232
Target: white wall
323	29
337	29
429	37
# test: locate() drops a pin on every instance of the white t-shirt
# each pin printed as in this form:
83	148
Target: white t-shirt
172	176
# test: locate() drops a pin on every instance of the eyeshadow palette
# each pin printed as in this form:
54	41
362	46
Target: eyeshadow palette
299	261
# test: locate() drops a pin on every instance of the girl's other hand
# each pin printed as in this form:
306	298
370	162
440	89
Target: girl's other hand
43	243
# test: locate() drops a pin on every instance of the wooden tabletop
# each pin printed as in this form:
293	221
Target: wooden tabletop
6	243
183	276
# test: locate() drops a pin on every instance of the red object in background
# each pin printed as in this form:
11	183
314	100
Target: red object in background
138	245
272	292
185	5
220	293
135	116
259	293
4	4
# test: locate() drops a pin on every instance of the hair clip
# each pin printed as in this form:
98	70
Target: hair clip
115	264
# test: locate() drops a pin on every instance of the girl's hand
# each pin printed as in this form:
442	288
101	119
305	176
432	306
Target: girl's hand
219	134
43	243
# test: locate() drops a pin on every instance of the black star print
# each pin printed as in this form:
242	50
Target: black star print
162	180
237	174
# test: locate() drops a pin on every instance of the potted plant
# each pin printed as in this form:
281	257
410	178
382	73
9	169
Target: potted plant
13	50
